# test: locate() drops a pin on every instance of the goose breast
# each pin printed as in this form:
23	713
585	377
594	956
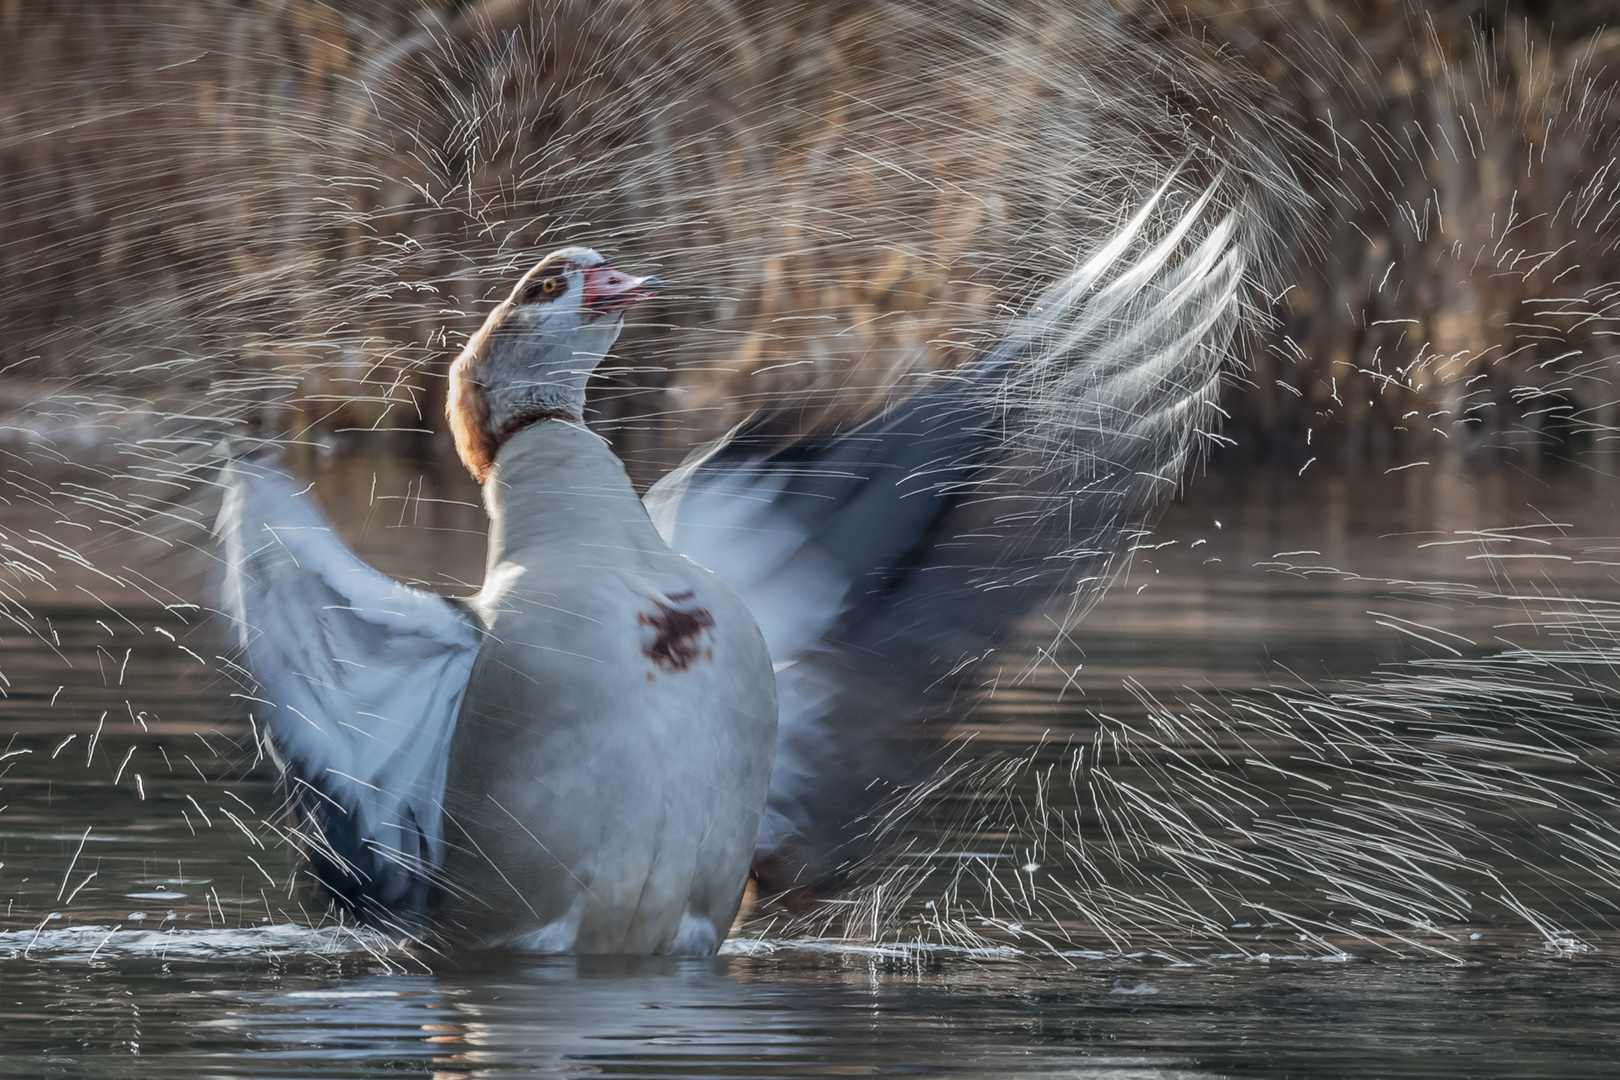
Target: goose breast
612	753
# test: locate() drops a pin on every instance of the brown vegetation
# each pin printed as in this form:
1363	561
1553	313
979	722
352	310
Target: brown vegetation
1465	281
287	215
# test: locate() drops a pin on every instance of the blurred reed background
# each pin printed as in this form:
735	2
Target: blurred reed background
285	215
1464	282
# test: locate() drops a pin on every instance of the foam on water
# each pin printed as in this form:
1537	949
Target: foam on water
83	944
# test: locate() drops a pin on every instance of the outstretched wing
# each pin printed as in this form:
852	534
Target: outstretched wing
360	680
885	564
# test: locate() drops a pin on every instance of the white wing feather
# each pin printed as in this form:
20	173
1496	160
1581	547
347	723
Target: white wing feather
360	680
886	564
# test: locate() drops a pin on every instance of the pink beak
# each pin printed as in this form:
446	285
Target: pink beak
607	290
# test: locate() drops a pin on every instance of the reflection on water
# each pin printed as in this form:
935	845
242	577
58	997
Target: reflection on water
1514	1014
153	925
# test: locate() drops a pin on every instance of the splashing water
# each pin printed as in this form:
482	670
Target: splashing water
276	227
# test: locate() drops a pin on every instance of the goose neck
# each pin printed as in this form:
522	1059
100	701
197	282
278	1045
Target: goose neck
556	480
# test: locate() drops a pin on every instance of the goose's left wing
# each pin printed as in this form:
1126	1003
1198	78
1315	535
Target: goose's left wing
886	563
359	680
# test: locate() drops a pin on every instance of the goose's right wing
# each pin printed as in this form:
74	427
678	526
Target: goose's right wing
359	680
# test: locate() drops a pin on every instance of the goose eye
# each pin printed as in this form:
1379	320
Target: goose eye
547	288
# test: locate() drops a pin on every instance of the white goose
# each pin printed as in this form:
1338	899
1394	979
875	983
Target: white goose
574	759
577	758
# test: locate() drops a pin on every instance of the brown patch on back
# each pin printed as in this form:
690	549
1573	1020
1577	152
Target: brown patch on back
677	632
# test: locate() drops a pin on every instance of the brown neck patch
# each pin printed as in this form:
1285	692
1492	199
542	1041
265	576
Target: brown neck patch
476	441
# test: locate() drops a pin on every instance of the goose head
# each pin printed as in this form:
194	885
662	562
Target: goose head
531	358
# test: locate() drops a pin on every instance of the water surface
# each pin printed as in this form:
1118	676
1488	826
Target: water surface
154	923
